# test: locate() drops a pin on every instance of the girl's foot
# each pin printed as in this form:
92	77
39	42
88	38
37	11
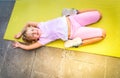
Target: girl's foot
73	43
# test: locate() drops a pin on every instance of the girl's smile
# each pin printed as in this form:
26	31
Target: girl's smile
33	33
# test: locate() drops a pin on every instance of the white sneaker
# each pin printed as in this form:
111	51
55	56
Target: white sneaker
69	11
73	43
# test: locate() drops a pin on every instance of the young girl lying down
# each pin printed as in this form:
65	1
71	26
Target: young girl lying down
71	29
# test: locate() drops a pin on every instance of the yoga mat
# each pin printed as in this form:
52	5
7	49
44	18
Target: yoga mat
43	10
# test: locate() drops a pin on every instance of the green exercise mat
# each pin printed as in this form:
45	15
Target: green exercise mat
43	10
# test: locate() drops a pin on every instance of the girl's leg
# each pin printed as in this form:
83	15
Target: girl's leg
89	35
94	39
83	40
85	18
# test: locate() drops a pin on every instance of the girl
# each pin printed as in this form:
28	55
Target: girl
71	29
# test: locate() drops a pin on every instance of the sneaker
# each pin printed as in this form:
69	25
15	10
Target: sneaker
68	12
73	43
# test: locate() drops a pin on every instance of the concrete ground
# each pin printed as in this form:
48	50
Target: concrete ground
47	62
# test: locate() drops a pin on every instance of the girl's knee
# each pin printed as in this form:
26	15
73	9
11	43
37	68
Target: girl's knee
98	15
103	33
95	16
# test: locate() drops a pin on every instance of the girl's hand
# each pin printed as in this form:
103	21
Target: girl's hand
16	44
17	36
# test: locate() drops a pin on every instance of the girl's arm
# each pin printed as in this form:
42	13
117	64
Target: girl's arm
34	24
27	47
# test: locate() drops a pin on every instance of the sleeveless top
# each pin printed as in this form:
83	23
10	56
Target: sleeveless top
53	29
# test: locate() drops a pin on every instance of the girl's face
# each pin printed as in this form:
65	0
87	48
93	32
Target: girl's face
33	33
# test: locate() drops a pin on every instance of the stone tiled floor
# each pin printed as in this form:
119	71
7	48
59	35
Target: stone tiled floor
47	62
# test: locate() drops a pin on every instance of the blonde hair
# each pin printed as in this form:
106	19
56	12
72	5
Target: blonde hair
26	38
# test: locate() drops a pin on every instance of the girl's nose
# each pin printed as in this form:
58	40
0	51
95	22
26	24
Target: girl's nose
34	31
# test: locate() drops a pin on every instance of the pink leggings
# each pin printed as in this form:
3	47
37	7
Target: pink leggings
79	21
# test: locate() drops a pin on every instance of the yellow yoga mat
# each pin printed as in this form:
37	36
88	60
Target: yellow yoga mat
43	10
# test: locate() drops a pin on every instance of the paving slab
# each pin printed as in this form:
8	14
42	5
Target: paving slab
59	63
18	63
113	67
48	63
5	12
84	65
